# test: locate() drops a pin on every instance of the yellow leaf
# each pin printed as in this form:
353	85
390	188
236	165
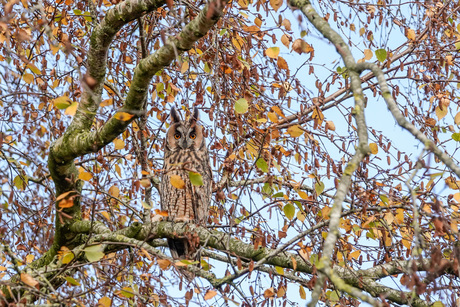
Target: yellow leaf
374	148
410	34
29	78
30	258
278	111
184	67
119	143
279	270
272	52
368	54
34	69
440	113
123	116
72	109
301	216
355	254
177	182
210	294
276	4
457	119
107	102
106	215
302	293
258	22
399	216
272	116
302	194
452	183
295	131
104	302
406	243
84	175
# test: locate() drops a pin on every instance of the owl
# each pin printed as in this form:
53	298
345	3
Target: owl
185	153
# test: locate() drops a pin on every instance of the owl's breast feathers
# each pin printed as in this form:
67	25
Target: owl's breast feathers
190	203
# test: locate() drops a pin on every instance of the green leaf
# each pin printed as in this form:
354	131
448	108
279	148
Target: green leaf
267	189
319	188
195	178
127	292
207	69
20	182
72	281
456	137
62	102
262	165
204	265
241	106
289	211
68	257
160	87
279	270
94	253
279	194
381	54
384	199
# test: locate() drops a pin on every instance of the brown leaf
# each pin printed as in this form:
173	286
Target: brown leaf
270	292
282	64
301	46
163	263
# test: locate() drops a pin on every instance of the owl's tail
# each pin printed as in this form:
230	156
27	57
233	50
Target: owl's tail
179	248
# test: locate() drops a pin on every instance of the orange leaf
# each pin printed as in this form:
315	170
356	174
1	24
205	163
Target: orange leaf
276	4
123	116
209	294
29	280
282	64
270	292
163	263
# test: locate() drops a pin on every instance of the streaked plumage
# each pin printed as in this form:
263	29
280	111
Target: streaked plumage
185	151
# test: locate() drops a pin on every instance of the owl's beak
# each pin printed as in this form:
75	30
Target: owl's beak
184	144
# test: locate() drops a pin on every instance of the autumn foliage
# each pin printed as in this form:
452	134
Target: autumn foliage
333	129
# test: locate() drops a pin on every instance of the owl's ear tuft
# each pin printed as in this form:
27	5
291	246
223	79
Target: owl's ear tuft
195	116
174	116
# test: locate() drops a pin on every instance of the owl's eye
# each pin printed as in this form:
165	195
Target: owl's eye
177	136
192	135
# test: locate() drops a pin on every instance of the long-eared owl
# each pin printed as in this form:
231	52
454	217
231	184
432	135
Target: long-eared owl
185	153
